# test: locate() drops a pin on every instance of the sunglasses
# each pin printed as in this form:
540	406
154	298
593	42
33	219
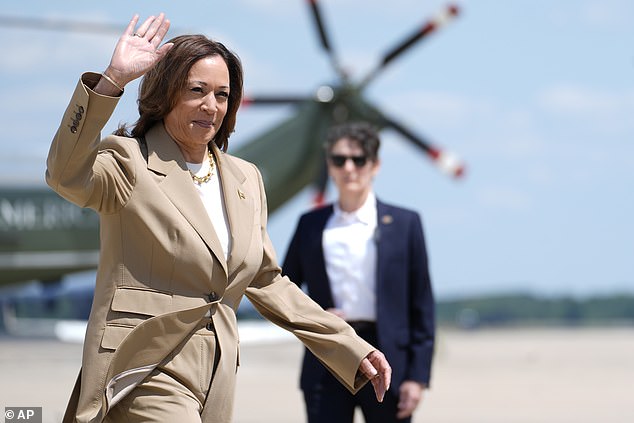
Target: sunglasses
338	160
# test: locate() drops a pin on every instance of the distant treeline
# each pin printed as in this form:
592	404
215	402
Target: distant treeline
529	309
472	312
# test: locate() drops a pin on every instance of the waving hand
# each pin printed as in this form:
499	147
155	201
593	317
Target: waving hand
136	52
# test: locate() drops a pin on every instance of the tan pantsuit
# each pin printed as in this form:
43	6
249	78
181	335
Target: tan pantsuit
165	297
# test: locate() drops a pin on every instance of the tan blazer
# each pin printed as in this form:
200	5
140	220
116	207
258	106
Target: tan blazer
162	268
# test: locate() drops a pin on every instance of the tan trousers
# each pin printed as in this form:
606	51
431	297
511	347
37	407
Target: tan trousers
176	390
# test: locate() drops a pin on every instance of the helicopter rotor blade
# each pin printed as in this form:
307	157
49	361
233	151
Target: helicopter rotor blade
66	25
323	94
63	25
320	25
447	162
428	28
273	100
323	37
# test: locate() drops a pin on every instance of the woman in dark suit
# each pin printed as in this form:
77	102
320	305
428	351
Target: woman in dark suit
183	238
365	261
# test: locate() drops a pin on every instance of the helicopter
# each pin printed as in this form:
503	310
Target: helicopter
44	238
301	135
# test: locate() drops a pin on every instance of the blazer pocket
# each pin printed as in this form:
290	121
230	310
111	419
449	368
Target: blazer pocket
141	301
113	335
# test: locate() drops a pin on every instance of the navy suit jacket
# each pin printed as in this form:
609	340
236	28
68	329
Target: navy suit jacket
405	304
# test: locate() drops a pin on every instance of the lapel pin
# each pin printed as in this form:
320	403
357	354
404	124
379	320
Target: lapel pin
387	219
241	194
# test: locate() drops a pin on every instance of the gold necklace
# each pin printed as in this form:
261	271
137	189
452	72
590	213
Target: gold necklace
212	166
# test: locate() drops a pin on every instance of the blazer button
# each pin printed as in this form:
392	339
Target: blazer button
73	129
213	296
210	326
78	116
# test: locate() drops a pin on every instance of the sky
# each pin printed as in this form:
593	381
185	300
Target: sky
535	96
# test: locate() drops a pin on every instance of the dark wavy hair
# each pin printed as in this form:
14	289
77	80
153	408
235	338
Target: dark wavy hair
162	86
362	133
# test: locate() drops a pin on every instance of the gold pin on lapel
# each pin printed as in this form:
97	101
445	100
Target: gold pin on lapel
241	194
387	219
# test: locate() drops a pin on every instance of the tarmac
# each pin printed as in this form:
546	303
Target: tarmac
528	375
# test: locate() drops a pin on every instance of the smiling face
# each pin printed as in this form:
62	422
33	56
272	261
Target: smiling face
201	108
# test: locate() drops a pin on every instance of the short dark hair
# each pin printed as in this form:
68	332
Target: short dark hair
162	86
362	133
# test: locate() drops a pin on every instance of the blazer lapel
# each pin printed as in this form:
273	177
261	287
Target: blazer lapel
164	157
383	237
321	291
240	206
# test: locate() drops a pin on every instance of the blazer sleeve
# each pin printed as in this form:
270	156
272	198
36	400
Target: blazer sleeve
80	167
282	302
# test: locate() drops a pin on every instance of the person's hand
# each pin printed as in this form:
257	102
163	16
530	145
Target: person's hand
137	51
410	395
376	368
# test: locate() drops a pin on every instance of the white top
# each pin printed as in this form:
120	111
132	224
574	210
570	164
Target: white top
350	254
211	194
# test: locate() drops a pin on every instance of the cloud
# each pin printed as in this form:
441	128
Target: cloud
443	108
272	9
608	14
607	110
504	198
39	51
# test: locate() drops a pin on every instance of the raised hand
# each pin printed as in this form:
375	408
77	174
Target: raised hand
137	51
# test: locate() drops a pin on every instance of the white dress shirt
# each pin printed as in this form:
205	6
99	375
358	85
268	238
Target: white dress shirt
211	195
350	254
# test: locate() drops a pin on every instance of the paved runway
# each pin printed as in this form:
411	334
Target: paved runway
486	376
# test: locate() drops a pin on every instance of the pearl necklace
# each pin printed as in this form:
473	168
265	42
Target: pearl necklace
202	179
